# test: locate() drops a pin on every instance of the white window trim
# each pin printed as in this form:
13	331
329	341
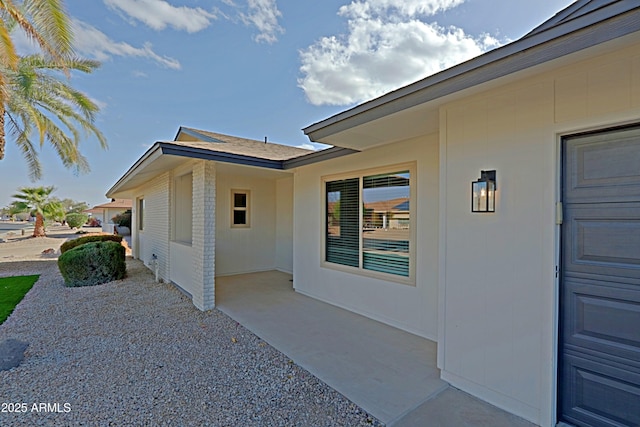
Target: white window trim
247	209
413	192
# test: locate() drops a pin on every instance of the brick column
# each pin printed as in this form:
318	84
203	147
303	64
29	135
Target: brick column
204	234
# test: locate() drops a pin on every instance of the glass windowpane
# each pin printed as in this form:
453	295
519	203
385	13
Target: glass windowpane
386	223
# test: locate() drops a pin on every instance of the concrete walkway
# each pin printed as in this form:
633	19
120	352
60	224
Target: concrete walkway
387	372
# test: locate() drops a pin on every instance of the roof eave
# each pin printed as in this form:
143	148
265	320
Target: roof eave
151	154
317	156
195	134
169	149
611	22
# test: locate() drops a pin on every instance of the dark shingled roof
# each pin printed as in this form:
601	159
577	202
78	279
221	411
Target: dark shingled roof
201	139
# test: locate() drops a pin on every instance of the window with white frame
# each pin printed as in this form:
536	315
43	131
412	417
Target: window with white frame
183	207
141	214
369	222
240	212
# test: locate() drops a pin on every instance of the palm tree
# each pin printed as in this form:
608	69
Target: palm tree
38	200
46	23
40	103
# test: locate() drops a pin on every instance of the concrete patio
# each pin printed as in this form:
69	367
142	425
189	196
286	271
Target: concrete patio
388	372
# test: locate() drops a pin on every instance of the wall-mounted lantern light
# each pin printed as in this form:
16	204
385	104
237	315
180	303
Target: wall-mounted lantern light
483	192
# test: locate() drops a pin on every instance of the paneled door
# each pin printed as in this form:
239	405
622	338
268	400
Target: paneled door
599	349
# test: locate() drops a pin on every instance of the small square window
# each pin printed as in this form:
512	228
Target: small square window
240	208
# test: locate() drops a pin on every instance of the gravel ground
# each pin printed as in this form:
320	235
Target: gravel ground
135	352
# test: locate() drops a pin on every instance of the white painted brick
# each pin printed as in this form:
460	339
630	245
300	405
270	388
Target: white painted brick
203	234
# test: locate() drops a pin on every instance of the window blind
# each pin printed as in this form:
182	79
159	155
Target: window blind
343	224
386	219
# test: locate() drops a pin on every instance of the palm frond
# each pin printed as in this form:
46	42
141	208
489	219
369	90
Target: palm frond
40	101
25	145
52	21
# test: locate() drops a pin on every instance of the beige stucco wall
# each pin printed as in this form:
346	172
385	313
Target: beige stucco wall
412	308
498	288
284	225
244	250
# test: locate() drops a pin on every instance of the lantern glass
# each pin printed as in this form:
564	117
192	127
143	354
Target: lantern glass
483	193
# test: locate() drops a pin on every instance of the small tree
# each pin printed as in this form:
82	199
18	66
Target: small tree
38	199
76	220
71	206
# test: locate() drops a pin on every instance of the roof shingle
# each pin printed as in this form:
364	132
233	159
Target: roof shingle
240	146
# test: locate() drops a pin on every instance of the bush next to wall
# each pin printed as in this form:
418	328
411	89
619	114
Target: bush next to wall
76	220
70	244
123	219
93	264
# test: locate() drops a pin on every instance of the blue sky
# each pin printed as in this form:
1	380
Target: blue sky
254	68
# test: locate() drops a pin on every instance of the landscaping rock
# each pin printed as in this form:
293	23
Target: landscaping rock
11	353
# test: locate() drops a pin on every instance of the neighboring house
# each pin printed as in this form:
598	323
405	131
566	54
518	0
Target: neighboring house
536	306
106	211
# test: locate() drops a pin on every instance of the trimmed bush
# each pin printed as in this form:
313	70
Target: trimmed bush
123	219
70	244
92	264
76	220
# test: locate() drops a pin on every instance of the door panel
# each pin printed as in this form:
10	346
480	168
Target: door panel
604	318
600	280
601	395
603	239
602	167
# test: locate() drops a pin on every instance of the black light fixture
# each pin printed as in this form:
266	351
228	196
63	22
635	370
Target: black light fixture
483	192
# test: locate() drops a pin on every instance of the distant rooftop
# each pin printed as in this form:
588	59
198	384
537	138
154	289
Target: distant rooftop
115	204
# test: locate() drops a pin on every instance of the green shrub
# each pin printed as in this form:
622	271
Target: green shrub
93	264
123	219
70	244
76	220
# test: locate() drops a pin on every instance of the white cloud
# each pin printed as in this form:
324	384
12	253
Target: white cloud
396	8
91	42
264	14
387	46
307	146
102	105
158	14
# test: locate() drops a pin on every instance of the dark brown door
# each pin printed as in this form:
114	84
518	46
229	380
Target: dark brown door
599	382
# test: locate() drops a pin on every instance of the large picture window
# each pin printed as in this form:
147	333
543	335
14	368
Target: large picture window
368	223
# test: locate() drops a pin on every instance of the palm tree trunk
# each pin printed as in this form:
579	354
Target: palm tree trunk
2	136
38	230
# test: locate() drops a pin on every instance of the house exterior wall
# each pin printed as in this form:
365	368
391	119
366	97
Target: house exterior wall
284	225
188	265
154	239
107	222
498	285
250	249
412	308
